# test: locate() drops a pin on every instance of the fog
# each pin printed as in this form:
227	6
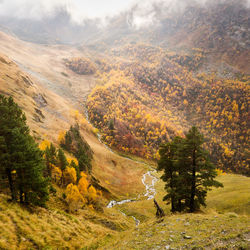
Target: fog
73	20
78	9
85	9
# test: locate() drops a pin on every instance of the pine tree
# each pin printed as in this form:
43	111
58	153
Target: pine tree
21	160
50	159
188	172
201	172
62	160
62	163
29	165
174	173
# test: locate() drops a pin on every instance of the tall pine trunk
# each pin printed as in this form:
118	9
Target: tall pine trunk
173	208
193	191
21	194
11	185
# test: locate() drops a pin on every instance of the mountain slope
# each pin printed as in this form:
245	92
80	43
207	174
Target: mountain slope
221	28
54	101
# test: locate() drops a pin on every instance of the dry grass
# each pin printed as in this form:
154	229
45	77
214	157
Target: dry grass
224	223
187	231
53	228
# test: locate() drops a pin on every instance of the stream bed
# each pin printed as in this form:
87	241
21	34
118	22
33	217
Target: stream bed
150	188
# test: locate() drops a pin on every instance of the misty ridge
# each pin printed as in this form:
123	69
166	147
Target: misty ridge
51	24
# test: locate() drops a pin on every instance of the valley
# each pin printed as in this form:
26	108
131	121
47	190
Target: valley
106	104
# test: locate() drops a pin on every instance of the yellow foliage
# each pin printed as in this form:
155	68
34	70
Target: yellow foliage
95	130
235	106
92	193
73	197
220	172
69	175
82	174
75	114
83	184
44	144
61	137
70	159
56	174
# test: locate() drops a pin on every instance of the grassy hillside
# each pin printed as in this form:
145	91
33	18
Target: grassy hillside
52	228
224	223
53	101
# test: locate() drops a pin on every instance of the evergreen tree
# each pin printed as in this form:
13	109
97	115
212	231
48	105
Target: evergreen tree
77	146
50	158
201	172
188	172
20	158
62	163
174	174
62	160
29	165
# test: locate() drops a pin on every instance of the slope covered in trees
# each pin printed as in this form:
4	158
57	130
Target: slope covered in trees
156	94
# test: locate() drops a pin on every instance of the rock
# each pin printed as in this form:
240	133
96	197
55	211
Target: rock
187	237
187	224
167	247
157	247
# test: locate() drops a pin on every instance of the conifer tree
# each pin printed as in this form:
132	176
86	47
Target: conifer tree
62	160
174	174
50	158
188	172
62	163
201	172
21	160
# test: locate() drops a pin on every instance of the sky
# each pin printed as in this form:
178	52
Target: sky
80	9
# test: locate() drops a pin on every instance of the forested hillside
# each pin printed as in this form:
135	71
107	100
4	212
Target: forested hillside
157	94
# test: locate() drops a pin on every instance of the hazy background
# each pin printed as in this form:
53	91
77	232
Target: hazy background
73	21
